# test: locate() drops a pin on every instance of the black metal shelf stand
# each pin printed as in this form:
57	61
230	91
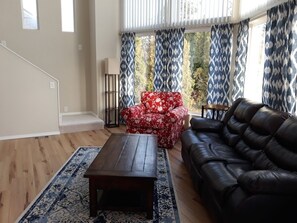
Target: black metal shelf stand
112	111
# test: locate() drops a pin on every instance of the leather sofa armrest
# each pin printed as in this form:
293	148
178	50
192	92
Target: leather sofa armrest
133	111
204	124
269	182
177	114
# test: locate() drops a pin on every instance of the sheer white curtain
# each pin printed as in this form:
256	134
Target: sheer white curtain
147	15
250	9
140	15
190	13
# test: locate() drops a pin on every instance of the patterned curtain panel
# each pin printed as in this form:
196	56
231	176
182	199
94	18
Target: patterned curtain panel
219	65
279	81
169	60
240	60
127	70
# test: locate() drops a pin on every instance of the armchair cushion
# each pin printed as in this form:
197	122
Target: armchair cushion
160	102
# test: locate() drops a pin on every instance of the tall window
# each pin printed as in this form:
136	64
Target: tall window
144	64
67	13
255	61
195	70
29	14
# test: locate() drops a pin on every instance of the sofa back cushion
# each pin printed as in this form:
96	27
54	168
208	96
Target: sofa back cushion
231	110
282	148
161	102
260	130
237	122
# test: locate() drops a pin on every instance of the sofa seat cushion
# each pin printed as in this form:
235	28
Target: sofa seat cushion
222	178
202	153
208	137
219	180
150	120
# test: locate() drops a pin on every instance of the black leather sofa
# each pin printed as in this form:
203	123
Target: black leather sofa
244	167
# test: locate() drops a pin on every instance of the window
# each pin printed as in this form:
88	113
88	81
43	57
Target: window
144	64
195	70
198	12
29	14
255	60
140	15
67	10
248	10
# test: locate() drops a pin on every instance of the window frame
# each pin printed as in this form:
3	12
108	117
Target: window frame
24	27
249	63
73	14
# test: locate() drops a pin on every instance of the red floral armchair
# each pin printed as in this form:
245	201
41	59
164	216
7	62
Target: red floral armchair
159	113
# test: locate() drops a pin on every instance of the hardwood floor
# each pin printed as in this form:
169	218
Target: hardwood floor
26	166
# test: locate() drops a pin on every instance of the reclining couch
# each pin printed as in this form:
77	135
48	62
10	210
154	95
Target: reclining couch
244	167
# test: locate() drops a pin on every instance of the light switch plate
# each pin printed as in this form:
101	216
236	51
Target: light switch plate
52	84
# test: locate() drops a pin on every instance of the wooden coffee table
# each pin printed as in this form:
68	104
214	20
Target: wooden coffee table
126	163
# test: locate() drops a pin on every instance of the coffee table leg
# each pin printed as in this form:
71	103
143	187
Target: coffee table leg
149	200
93	198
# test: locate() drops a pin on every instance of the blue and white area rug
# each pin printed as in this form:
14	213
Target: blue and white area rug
66	197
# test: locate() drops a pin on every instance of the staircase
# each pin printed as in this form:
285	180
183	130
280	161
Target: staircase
80	122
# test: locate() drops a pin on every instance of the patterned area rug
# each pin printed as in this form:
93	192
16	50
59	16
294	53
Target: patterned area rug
66	197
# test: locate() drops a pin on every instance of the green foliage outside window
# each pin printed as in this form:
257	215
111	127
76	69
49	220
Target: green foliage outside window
144	65
195	69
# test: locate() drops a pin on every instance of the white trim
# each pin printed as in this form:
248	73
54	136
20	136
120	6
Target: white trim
43	71
27	61
79	113
75	113
32	135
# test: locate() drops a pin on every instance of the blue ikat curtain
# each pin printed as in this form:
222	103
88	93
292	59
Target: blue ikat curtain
219	65
127	70
240	60
169	60
279	81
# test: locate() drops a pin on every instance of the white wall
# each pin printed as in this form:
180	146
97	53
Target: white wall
105	42
80	72
29	106
52	50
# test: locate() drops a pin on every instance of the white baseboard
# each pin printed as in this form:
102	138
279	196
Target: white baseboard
30	135
79	113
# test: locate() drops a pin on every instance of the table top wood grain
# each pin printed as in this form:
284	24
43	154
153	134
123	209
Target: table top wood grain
126	155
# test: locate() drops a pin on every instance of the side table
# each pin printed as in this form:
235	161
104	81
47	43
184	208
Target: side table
215	108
